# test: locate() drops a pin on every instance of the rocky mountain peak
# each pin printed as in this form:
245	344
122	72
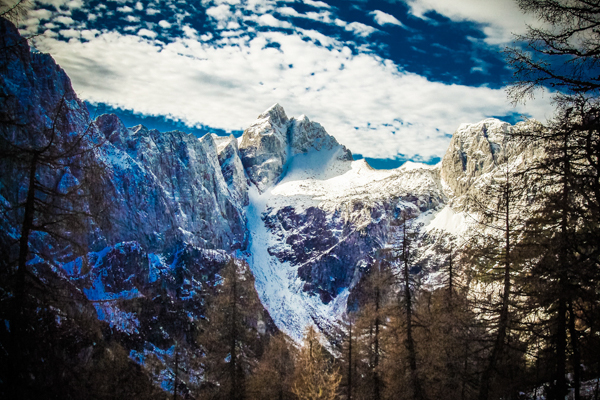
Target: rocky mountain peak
475	149
475	153
306	135
112	127
273	139
275	114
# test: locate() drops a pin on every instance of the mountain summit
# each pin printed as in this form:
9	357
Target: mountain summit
273	140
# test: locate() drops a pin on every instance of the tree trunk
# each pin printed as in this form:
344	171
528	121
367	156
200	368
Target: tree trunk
465	372
486	376
410	344
561	320
561	349
376	378
350	359
17	329
450	280
176	373
576	353
234	394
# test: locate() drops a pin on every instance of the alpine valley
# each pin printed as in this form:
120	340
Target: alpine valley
167	211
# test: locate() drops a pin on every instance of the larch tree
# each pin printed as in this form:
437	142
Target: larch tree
565	231
348	349
273	377
407	304
315	378
370	332
228	335
50	197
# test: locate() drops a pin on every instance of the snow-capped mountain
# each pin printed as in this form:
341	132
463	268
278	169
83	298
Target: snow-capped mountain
316	224
317	221
286	196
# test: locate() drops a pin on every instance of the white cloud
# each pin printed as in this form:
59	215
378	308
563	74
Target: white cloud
139	6
41	14
500	18
152	11
317	4
206	37
382	18
191	33
89	34
64	20
269	20
70	33
60	5
289	11
74	4
368	103
125	9
359	29
323	16
147	33
164	24
222	14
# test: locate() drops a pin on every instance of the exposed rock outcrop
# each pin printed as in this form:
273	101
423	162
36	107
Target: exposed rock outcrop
477	150
272	141
264	147
232	168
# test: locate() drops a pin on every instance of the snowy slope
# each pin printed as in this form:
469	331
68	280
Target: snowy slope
315	228
318	220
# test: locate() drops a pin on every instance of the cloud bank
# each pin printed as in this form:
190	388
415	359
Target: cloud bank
225	78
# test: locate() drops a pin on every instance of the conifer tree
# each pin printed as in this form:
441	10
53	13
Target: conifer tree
349	354
229	337
564	234
563	54
273	376
370	331
450	333
50	179
500	222
315	378
406	307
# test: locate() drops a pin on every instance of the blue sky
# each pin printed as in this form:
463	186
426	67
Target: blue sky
390	79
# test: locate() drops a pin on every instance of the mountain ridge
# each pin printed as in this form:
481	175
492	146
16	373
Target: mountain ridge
286	197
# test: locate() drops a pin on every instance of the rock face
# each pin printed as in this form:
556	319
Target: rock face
476	151
273	139
316	232
232	168
185	195
264	147
159	189
164	211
